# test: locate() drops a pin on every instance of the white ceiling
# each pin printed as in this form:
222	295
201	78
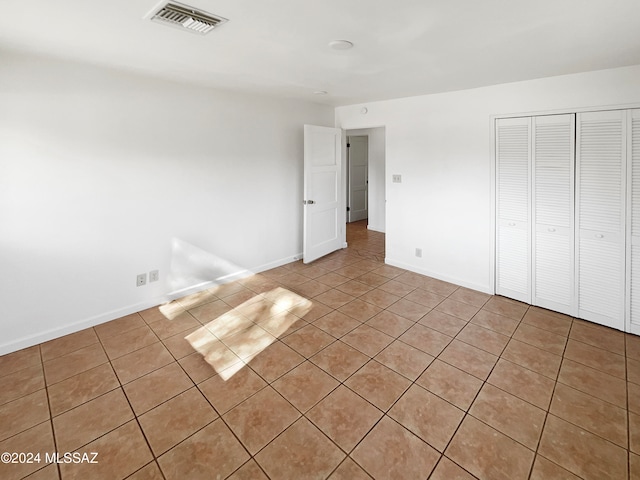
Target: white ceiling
280	47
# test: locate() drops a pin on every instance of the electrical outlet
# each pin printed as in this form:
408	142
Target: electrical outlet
418	252
154	276
396	178
141	279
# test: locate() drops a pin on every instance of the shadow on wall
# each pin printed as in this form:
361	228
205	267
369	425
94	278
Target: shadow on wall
192	267
237	336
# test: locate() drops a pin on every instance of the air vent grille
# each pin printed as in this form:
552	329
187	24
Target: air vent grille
183	16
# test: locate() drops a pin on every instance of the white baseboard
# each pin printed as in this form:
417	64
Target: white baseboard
59	331
375	229
444	278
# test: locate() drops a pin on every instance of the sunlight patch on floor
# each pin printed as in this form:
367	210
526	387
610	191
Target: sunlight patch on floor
233	339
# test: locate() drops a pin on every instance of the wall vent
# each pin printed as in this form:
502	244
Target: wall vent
185	17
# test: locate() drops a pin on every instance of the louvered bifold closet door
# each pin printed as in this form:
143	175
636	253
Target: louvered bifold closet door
633	239
600	216
513	154
553	161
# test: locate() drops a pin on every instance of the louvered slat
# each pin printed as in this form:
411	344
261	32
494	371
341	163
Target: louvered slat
601	175
634	251
635	173
601	171
601	285
512	144
553	206
554	270
635	285
513	262
512	240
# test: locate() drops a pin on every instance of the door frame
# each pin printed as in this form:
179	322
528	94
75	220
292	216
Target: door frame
363	131
377	194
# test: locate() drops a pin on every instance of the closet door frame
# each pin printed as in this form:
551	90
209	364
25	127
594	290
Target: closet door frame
494	189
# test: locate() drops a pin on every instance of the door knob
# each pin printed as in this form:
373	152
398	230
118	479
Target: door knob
308	202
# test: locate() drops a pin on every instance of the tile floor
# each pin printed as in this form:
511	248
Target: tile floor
343	369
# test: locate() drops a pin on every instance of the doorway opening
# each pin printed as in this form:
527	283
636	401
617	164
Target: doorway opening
365	192
327	192
357	178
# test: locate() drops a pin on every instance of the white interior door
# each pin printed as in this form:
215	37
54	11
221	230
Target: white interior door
513	192
358	178
553	141
600	233
323	222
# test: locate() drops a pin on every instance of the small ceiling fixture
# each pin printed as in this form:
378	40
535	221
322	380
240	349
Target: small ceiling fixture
320	92
341	44
185	17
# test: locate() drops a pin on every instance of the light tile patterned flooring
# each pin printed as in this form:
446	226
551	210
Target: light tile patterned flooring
346	368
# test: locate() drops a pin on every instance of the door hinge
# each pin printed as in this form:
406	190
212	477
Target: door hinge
348	145
348	209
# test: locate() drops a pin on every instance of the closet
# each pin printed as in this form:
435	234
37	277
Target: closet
568	214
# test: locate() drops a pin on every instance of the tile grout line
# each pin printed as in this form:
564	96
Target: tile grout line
135	416
413	382
466	412
53	432
548	410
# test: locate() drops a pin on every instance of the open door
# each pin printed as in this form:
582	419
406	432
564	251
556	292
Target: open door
323	221
358	174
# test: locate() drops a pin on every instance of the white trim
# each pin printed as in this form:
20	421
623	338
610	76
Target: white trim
562	111
40	337
628	220
493	205
634	328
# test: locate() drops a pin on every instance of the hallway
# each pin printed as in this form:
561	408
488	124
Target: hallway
365	243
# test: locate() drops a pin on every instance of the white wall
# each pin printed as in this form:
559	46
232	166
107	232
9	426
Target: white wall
441	145
104	175
377	193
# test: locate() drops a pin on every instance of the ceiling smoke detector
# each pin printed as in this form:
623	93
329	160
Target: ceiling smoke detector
185	17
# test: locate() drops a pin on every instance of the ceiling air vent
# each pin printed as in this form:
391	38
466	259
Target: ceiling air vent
185	17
